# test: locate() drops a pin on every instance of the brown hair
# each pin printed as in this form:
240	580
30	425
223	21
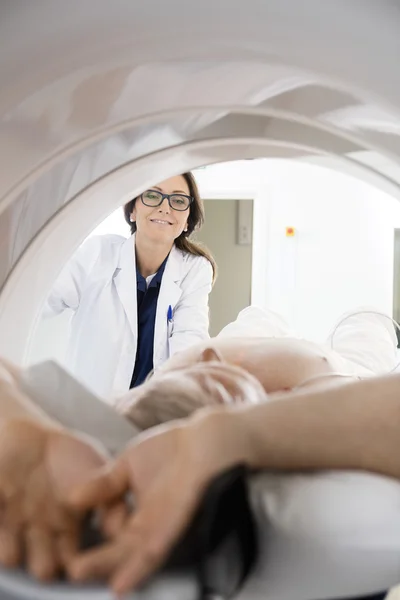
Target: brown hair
195	221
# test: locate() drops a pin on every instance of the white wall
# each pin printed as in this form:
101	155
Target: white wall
341	256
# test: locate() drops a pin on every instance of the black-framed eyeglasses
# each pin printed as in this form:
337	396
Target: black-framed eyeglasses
155	198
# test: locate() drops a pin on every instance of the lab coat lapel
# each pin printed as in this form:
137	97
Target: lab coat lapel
125	282
170	293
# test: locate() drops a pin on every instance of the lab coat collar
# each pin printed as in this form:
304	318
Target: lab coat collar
169	296
127	256
174	266
170	290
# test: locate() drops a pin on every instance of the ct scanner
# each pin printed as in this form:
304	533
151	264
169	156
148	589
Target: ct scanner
99	99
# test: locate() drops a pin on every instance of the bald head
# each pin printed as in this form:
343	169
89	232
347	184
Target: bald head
177	394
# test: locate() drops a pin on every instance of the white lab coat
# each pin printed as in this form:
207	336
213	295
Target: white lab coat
99	285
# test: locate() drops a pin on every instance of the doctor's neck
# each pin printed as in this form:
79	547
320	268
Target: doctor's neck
150	255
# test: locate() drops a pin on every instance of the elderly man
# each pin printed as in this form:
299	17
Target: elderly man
354	426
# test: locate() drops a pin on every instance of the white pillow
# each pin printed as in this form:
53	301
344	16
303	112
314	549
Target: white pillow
324	536
366	339
254	321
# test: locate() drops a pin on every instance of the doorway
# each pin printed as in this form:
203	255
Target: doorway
228	234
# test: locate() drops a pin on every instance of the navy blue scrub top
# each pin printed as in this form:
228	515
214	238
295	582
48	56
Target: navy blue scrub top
147	298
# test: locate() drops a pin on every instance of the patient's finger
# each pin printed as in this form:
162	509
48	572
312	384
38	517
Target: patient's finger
67	547
10	547
150	545
100	562
41	556
113	519
108	485
135	569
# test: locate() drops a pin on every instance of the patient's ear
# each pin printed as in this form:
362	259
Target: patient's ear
210	354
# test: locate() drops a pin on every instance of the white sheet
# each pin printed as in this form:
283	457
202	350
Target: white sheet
329	535
366	339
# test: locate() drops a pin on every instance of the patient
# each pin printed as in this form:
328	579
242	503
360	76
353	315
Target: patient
260	355
229	371
316	427
319	426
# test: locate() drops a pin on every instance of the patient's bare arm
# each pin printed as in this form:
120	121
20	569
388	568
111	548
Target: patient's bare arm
354	426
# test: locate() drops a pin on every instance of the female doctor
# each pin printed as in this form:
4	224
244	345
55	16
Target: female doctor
137	301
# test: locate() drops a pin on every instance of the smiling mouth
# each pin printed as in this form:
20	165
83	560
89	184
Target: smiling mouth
160	222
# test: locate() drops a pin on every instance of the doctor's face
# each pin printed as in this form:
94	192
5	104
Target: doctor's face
162	223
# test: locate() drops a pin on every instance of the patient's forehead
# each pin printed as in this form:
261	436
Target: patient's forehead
214	375
213	368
